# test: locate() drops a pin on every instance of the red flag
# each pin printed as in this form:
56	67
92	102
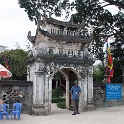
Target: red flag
109	59
109	63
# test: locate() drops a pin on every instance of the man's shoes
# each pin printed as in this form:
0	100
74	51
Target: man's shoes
78	113
74	113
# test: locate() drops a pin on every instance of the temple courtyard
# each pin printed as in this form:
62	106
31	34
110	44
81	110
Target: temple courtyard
110	115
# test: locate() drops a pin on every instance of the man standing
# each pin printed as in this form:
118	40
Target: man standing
75	93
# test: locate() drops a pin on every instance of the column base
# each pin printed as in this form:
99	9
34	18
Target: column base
38	110
90	106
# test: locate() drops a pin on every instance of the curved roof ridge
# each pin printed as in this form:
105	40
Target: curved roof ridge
70	23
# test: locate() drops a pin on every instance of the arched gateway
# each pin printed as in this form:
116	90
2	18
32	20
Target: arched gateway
59	47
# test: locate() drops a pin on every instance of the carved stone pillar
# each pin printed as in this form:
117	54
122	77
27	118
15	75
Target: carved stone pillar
34	90
67	93
50	95
38	107
90	105
90	89
84	94
47	94
81	96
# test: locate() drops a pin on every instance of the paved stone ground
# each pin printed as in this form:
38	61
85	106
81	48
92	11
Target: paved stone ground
111	115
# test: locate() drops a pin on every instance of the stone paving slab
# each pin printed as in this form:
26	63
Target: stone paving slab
111	115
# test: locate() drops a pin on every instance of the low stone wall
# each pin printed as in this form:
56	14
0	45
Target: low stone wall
98	93
17	91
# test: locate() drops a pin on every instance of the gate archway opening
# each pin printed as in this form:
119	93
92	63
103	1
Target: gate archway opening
64	79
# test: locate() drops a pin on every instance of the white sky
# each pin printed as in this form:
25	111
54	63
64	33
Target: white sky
14	24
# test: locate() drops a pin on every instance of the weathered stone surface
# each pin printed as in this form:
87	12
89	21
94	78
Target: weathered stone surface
38	110
63	49
90	107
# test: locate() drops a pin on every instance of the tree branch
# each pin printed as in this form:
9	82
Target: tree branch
106	5
116	3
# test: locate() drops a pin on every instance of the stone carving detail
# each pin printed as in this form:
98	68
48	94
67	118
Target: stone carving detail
79	54
63	53
79	34
41	68
41	51
81	71
53	68
31	38
88	56
51	51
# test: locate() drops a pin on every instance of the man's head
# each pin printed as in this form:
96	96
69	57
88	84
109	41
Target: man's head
76	83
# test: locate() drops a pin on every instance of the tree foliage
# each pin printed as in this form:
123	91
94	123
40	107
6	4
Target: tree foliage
119	3
98	74
102	22
117	49
17	62
56	93
35	8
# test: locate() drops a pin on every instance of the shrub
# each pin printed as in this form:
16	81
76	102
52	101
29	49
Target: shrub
57	92
61	105
56	100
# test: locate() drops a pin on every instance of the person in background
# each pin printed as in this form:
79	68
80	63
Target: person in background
75	94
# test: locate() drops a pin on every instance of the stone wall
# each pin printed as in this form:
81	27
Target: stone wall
17	91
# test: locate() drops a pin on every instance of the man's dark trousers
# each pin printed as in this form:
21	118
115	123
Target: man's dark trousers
75	104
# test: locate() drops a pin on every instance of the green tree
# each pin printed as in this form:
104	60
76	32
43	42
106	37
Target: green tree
117	49
56	93
98	74
103	23
17	62
119	3
34	8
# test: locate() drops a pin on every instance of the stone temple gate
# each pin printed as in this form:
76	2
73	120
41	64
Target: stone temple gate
59	47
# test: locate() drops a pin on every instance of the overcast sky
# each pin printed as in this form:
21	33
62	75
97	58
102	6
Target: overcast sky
14	24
